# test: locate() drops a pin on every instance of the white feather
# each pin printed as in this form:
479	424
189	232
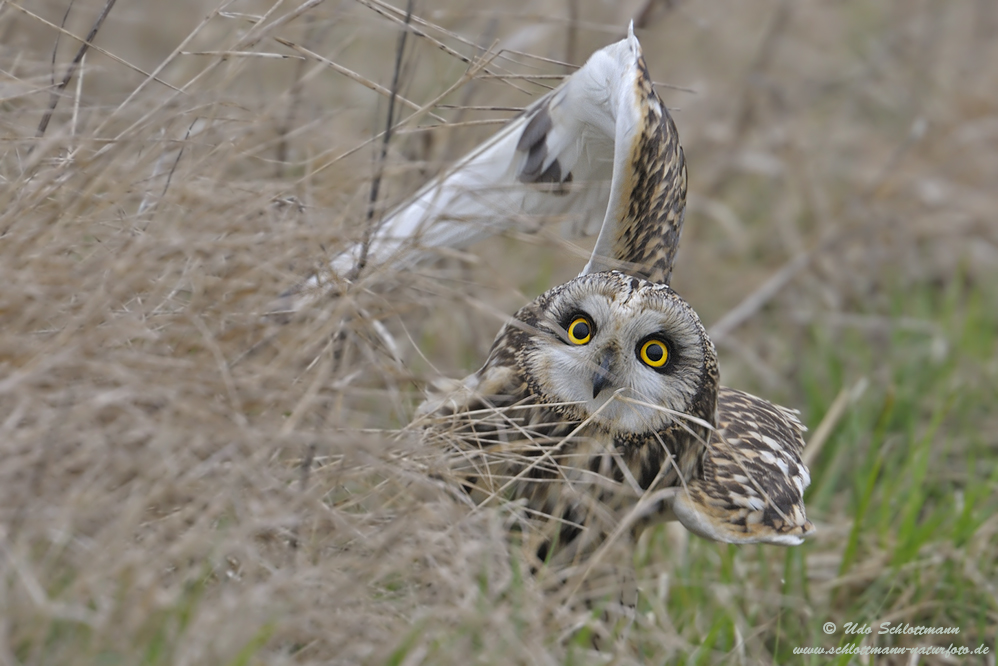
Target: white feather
594	115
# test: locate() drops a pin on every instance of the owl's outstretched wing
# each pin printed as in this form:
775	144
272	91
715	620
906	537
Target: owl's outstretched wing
591	153
753	481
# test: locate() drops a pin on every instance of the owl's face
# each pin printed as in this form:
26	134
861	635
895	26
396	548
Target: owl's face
626	353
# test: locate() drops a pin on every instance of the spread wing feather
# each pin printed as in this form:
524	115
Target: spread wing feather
753	481
560	159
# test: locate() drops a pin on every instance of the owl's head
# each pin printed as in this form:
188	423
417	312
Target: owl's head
629	354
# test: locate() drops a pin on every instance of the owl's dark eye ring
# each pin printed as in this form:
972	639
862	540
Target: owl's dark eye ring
580	331
654	353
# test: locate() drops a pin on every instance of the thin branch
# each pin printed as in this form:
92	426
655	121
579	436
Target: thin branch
758	298
58	38
79	96
243	54
476	66
295	97
180	154
54	97
352	74
376	183
845	398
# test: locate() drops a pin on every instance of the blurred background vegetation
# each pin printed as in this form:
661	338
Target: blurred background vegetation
183	480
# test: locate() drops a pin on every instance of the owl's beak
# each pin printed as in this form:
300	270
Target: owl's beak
602	377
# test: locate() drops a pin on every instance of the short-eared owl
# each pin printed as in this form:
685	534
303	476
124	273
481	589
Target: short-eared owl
599	408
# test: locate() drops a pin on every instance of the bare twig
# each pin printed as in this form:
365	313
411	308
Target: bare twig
372	225
454	125
349	73
476	67
244	54
391	12
295	97
463	107
821	434
54	97
758	298
58	38
183	144
79	95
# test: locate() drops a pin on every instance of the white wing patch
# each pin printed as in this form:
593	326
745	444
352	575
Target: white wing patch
556	160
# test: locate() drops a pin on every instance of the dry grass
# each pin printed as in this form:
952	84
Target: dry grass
184	481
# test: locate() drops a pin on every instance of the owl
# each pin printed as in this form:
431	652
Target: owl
599	413
599	410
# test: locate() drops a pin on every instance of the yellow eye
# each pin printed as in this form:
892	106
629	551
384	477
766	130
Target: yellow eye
580	331
654	353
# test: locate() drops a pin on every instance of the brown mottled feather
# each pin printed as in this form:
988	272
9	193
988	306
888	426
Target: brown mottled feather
648	205
648	234
751	488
